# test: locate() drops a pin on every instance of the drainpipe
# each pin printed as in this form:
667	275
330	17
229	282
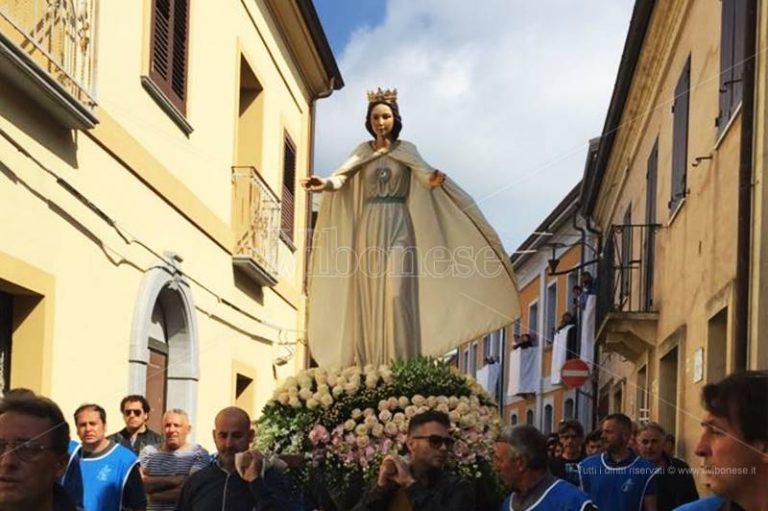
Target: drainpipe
596	362
743	242
308	213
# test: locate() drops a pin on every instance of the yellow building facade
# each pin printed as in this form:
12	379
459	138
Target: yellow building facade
671	189
154	233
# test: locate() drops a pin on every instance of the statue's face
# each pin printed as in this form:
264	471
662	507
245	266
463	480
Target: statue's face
382	120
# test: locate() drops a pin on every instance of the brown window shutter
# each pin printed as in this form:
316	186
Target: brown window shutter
169	43
180	46
680	136
289	180
160	63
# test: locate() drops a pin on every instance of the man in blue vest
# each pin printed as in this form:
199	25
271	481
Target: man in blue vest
520	456
111	478
618	478
734	443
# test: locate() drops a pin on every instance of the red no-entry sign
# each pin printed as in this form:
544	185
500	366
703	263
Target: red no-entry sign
574	373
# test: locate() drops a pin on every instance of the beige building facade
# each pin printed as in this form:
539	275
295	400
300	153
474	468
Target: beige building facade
676	193
154	233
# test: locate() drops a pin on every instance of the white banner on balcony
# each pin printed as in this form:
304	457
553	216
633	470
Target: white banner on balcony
488	377
588	330
559	353
523	373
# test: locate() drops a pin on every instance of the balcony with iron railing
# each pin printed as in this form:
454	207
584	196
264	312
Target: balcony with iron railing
47	51
256	219
626	318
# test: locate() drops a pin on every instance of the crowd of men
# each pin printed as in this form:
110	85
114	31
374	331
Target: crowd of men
136	469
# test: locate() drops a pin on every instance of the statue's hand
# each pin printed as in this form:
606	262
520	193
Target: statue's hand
313	184
436	179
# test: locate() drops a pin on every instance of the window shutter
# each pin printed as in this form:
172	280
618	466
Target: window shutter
739	53
180	42
161	42
289	180
169	42
680	136
726	63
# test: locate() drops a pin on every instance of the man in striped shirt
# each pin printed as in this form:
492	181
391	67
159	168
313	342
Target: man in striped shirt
165	467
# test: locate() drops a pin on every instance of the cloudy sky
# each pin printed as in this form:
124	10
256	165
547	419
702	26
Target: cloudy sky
503	95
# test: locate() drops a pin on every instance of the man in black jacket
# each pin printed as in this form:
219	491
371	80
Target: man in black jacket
674	484
223	487
136	434
423	484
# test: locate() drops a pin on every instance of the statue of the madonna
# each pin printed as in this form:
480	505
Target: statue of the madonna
403	262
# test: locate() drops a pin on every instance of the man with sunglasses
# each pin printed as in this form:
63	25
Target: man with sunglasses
33	455
136	434
421	484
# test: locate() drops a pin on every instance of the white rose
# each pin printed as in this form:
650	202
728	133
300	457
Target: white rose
383	405
312	403
326	400
350	388
453	402
399	418
294	402
361	429
305	393
390	428
332	380
283	398
385	415
431	401
363	441
337	391
377	430
418	400
356	413
370	421
403	401
410	411
349	425
371	380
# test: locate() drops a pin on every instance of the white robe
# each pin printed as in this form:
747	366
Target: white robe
465	289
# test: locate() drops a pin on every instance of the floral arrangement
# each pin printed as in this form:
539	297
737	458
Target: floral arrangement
344	422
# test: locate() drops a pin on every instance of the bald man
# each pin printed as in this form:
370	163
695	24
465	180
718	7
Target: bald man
220	487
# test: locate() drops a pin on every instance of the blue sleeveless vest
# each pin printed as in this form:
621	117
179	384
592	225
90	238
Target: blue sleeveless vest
561	496
104	478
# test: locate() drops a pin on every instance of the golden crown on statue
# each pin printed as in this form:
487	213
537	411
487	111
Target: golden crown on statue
389	95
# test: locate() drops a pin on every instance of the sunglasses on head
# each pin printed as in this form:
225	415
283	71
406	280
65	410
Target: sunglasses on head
437	441
136	412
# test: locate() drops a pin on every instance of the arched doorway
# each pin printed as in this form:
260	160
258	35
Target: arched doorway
164	358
